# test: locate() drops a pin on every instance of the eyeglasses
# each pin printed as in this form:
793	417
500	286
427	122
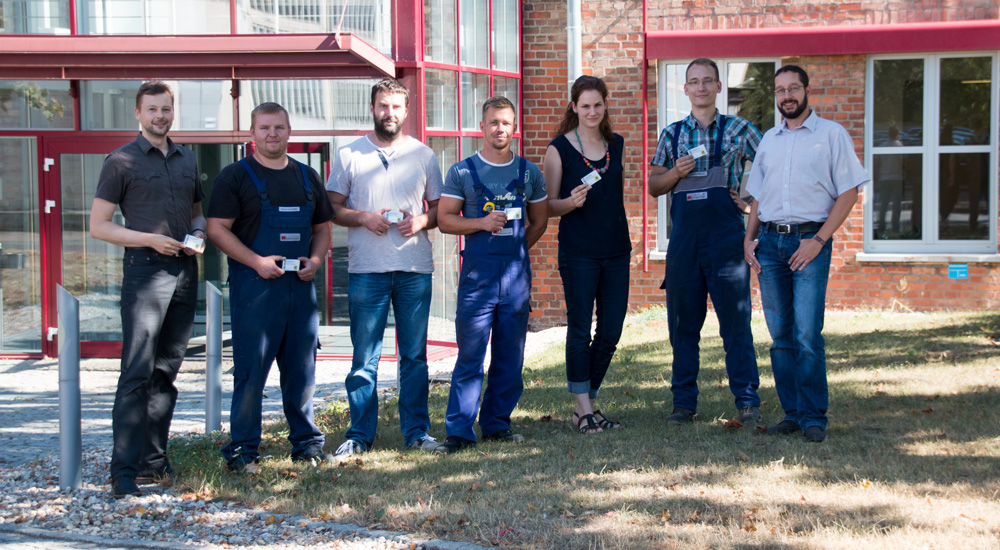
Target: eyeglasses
791	90
706	82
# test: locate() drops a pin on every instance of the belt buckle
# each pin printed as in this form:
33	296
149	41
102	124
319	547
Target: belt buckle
783	228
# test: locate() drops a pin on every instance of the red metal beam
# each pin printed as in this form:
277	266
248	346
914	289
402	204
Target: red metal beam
210	57
833	40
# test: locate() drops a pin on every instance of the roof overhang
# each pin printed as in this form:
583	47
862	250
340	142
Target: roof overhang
258	56
829	40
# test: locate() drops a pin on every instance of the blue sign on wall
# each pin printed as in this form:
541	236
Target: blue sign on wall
958	271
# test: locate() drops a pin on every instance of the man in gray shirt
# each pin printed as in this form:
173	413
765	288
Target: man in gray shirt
378	187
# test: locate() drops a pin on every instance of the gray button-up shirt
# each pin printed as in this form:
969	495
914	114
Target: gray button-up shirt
156	193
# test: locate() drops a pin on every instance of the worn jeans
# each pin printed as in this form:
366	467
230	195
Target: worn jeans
794	303
157	307
586	282
369	296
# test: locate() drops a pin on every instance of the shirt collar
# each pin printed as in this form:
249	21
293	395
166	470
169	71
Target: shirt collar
810	123
691	123
145	146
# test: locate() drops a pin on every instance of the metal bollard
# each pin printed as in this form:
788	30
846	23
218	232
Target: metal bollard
213	358
70	434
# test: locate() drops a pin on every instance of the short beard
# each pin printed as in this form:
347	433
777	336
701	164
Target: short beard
797	112
386	135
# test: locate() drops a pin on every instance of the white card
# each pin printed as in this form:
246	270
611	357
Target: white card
291	265
194	243
513	212
591	178
698	152
394	216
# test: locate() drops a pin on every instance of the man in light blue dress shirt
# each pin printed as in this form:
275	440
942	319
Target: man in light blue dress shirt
805	181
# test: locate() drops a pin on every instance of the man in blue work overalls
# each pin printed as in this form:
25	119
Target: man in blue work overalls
700	160
497	200
271	216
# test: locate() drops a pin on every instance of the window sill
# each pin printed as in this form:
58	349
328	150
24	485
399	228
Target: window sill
866	257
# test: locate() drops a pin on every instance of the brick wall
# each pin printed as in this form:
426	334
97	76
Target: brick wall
612	50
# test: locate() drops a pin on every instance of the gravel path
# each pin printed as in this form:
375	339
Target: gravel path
34	513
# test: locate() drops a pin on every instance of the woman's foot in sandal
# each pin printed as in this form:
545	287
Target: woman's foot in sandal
586	424
604	422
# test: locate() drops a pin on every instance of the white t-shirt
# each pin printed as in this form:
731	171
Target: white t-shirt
373	179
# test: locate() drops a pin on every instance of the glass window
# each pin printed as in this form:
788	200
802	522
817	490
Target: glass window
506	39
475	92
509	88
312	104
475	29
20	251
471	145
750	93
198	104
34	17
446	258
932	191
439	31
370	20
442	107
153	17
39	104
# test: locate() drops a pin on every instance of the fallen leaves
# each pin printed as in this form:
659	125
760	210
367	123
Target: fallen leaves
731	424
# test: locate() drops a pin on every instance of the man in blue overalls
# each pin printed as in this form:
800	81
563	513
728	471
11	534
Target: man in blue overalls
701	160
271	216
497	200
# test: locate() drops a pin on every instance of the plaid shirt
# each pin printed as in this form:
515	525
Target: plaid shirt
739	144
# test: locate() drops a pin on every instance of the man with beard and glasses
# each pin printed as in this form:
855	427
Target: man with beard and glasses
805	181
155	183
269	214
385	188
498	201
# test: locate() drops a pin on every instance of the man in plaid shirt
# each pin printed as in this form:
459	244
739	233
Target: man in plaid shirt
701	160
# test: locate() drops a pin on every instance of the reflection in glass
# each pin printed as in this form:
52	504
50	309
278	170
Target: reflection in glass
312	104
20	269
34	17
198	104
965	100
370	20
898	100
964	196
678	104
505	35
475	33
471	146
442	107
35	104
156	17
509	88
439	31
475	91
91	268
898	189
446	259
751	93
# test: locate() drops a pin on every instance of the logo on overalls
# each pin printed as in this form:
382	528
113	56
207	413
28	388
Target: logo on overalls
290	237
698	196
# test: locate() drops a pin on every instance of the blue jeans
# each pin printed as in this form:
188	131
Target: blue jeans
587	281
369	296
794	304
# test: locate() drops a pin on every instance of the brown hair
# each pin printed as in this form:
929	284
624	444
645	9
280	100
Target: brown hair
571	120
498	102
267	108
705	62
390	86
153	87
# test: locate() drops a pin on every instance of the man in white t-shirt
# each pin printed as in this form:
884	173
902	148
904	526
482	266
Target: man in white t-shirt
384	188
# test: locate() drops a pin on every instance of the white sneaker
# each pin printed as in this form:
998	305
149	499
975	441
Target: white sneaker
426	443
349	447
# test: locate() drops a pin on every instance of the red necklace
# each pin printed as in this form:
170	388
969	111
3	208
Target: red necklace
607	154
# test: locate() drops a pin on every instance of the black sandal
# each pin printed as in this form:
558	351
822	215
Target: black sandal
604	422
587	424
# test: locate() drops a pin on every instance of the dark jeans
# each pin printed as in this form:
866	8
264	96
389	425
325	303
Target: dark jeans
586	282
157	305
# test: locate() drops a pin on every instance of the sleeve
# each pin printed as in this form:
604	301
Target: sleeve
755	183
111	184
847	170
340	177
323	212
432	191
663	148
453	184
538	191
751	139
225	200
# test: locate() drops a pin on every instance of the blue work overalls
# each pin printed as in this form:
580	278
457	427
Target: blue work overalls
705	258
493	294
274	319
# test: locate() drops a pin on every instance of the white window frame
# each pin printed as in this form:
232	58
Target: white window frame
668	113
930	244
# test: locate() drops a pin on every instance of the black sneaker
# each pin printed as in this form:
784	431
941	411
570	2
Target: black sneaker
784	427
815	434
750	415
454	444
241	465
124	486
681	415
314	457
505	436
155	475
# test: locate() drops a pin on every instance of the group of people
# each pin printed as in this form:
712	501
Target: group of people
271	216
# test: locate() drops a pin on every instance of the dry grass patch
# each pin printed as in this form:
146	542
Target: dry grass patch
912	459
